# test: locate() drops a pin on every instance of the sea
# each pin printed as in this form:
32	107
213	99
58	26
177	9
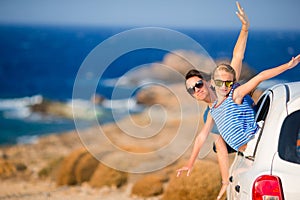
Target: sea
40	63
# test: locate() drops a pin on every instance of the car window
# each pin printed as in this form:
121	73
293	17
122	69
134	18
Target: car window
289	141
262	108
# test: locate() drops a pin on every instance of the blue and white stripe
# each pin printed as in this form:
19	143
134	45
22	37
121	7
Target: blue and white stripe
235	122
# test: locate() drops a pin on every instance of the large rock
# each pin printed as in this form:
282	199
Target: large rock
76	168
55	108
106	176
182	61
149	185
171	69
9	168
204	183
156	94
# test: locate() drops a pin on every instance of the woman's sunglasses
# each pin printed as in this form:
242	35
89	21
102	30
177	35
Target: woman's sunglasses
198	85
219	83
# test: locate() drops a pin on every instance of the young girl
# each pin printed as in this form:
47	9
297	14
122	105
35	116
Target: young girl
233	115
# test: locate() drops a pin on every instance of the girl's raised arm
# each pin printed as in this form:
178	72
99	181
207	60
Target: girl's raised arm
240	46
246	88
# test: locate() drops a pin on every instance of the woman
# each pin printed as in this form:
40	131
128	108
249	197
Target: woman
199	86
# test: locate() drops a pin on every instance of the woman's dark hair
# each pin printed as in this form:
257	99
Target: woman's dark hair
200	74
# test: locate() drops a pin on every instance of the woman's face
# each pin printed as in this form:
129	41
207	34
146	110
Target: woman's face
198	88
222	82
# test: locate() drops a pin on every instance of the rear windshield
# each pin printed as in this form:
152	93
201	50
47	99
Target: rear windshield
289	143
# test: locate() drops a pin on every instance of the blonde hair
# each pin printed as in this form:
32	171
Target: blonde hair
226	68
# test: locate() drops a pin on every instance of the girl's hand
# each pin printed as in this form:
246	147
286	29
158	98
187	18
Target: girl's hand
294	62
185	168
242	16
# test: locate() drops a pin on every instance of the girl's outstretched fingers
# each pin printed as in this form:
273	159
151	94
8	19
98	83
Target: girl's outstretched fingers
242	15
294	61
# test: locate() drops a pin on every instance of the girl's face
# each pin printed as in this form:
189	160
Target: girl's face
198	88
222	82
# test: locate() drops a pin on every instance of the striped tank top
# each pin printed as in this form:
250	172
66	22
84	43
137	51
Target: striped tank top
236	122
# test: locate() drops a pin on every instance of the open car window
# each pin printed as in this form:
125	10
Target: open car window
262	110
262	107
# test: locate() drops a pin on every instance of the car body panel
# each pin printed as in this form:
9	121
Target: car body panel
261	156
289	172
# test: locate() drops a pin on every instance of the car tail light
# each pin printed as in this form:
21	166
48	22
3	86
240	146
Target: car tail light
267	187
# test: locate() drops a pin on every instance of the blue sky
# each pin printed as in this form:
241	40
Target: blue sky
263	14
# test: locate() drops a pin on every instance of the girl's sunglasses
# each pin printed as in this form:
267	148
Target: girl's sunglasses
198	85
219	83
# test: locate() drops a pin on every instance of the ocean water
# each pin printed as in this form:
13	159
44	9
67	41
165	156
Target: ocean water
41	62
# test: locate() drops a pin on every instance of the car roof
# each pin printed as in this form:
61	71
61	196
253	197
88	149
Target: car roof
292	89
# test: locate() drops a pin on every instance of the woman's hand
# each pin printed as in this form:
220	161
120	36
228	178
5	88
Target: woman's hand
223	190
185	168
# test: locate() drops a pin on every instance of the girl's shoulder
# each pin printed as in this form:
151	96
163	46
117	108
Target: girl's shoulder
234	86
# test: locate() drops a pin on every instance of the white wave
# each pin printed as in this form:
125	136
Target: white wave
18	108
85	109
27	139
126	81
17	113
16	103
121	81
122	104
80	103
109	82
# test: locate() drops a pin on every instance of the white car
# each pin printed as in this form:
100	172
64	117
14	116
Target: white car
269	169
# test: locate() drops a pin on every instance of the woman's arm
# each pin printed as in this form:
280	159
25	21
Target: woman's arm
240	46
197	146
244	89
223	160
